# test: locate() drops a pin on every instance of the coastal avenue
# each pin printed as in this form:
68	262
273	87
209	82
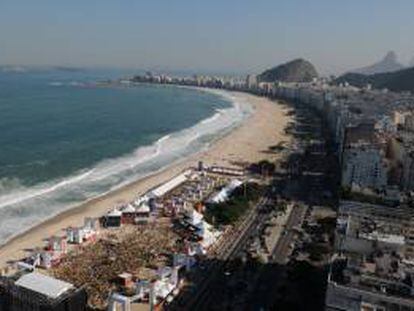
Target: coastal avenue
203	296
283	246
262	297
269	274
206	278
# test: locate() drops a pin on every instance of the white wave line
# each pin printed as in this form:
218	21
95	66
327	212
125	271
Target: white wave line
19	198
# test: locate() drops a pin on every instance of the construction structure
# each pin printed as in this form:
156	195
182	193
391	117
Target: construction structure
31	291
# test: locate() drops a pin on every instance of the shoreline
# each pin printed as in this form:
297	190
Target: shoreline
246	142
226	95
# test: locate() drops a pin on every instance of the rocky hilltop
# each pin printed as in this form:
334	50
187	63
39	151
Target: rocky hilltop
298	70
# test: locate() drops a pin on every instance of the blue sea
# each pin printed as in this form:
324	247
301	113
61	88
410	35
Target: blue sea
64	139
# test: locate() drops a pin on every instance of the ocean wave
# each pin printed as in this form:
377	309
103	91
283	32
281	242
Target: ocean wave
23	193
56	83
214	117
10	184
70	83
75	83
23	207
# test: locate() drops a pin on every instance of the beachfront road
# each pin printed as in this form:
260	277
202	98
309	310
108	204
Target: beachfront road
284	245
271	275
200	297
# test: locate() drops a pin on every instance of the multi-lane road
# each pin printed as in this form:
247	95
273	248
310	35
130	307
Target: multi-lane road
203	295
272	275
234	242
284	246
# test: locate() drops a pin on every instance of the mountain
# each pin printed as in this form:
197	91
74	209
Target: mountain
401	80
388	64
298	70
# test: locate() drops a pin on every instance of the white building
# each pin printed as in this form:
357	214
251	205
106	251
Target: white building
363	159
251	81
363	167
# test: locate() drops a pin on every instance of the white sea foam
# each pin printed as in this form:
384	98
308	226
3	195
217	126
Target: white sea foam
70	83
213	118
56	83
9	184
29	193
23	208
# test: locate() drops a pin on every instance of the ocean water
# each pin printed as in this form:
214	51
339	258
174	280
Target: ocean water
64	140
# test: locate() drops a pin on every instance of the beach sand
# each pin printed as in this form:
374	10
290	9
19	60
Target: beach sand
247	143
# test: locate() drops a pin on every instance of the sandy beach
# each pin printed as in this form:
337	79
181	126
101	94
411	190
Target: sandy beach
247	143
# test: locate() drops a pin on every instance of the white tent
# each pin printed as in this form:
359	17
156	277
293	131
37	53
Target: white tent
224	193
194	217
170	185
129	209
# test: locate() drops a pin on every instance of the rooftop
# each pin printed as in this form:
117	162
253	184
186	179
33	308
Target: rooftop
43	284
362	133
374	222
383	273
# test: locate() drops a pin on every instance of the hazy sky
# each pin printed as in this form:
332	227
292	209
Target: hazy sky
225	35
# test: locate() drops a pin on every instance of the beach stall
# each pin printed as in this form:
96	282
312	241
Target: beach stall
70	235
91	224
87	233
57	244
44	259
128	214
143	214
113	219
54	251
75	235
